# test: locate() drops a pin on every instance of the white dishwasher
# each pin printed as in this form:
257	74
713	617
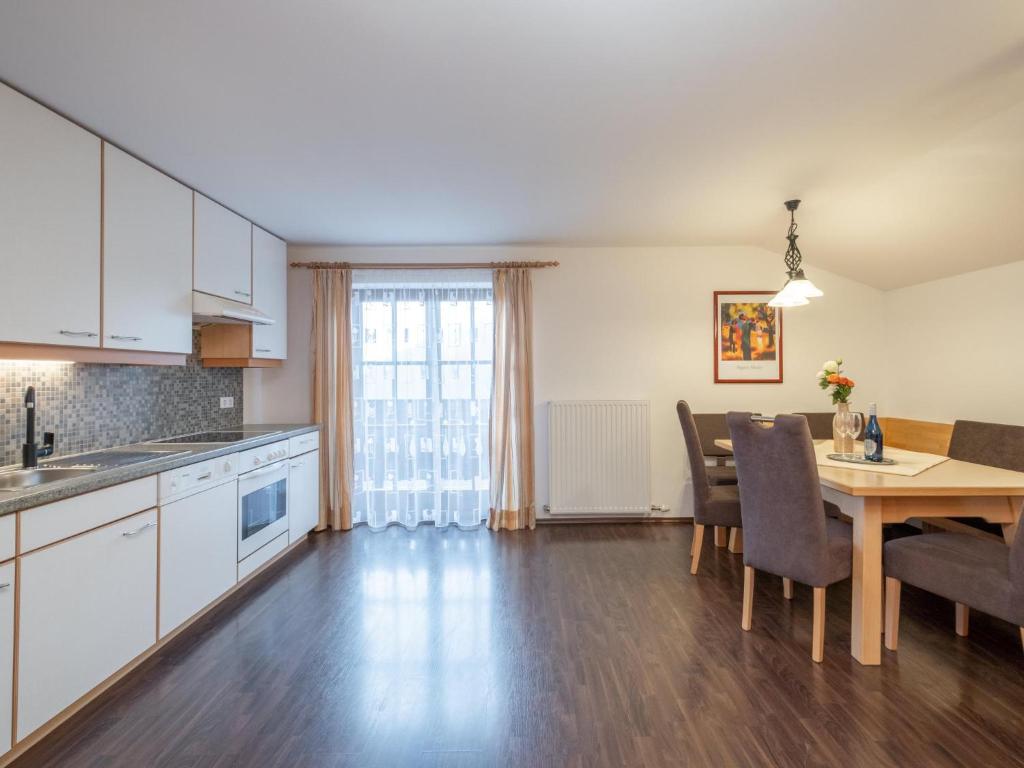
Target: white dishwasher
198	539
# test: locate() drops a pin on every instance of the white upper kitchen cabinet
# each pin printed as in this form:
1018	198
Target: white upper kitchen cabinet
223	252
147	257
270	294
49	226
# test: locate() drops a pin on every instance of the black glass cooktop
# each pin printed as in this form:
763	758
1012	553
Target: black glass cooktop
225	436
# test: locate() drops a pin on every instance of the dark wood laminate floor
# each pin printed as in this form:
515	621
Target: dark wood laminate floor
571	645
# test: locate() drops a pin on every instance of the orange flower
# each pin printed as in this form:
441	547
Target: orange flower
833	378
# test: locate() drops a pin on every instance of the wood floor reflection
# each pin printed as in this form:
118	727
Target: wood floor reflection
568	646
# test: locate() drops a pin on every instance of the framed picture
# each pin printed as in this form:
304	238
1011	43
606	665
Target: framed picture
748	338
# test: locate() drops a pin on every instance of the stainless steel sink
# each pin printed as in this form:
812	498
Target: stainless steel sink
20	479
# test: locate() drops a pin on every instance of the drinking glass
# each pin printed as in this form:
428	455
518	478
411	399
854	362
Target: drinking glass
847	425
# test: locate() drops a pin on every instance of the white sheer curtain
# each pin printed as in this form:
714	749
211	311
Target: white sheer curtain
421	370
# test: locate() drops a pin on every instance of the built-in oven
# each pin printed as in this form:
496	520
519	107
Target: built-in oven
262	497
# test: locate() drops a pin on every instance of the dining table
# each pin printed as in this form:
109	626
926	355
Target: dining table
873	499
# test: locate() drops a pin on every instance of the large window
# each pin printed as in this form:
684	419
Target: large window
421	372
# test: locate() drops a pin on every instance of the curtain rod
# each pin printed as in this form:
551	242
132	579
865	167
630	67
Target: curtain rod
456	265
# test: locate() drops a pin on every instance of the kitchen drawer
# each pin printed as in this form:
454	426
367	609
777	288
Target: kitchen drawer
262	556
44	525
8	527
304	443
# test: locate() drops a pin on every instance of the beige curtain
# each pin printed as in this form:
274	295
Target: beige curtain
331	343
511	430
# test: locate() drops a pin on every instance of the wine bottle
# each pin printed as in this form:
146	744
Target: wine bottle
873	435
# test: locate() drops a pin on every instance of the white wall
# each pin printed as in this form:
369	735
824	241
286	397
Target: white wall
628	323
956	348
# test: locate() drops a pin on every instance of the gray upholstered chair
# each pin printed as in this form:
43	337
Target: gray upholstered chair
997	445
711	427
717	505
786	530
821	425
971	571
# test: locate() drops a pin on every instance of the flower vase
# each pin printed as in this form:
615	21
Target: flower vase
841	443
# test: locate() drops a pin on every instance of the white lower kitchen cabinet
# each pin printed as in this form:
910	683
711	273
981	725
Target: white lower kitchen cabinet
303	494
7	588
88	607
198	553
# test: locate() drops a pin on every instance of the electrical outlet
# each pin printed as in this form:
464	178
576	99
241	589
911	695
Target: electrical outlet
227	402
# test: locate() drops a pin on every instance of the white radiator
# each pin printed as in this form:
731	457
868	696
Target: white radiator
599	457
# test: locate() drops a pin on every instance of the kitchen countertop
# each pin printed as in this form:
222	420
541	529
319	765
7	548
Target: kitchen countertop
15	501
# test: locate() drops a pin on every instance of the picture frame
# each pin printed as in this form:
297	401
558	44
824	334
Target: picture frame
747	338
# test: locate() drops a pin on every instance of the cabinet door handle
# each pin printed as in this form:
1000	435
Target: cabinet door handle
126	338
5	585
139	530
79	334
298	465
207	476
243	293
262	349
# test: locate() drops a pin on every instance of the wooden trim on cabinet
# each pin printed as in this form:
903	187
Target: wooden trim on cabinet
229	345
10	350
103	234
159	530
17	642
32	739
241	362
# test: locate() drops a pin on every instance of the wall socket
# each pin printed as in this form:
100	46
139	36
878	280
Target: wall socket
227	402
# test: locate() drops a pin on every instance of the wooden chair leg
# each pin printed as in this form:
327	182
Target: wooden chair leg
963	615
721	536
748	597
698	541
1022	638
736	541
787	588
818	633
892	613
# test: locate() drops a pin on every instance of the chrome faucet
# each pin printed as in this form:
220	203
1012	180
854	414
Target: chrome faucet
30	452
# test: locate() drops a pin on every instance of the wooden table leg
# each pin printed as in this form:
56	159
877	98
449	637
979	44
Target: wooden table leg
1010	529
866	621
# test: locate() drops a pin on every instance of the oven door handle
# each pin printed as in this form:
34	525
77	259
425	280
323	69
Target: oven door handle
265	471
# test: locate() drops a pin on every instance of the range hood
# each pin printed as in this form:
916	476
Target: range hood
214	309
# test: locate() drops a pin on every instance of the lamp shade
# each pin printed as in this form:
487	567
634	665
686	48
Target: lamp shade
804	287
789	296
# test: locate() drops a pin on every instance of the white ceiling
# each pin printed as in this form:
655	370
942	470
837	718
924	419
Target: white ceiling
683	122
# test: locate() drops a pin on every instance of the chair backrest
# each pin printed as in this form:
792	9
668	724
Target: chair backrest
698	472
821	425
780	498
996	445
711	427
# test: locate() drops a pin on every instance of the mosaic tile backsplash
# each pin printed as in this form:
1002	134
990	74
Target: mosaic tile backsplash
93	406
